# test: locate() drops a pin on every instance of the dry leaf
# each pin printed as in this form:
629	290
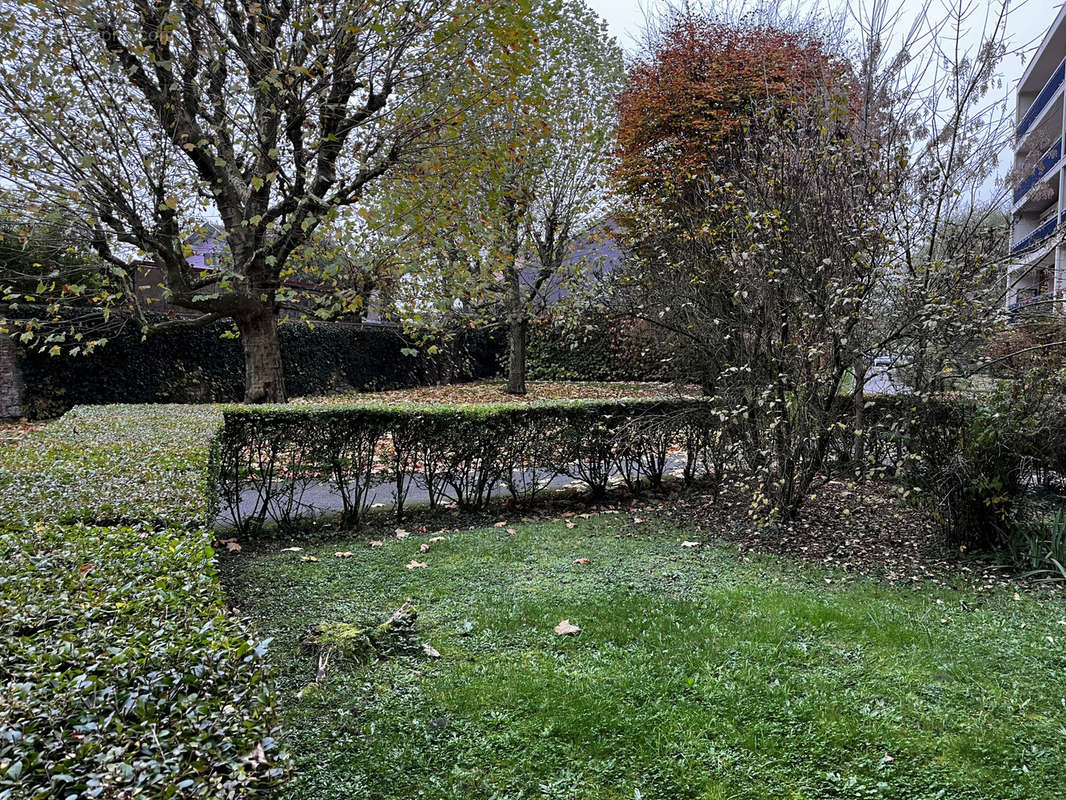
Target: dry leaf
417	565
570	524
376	543
345	554
436	539
638	520
582	561
233	547
423	548
511	531
430	650
291	549
566	628
500	525
308	558
401	533
690	544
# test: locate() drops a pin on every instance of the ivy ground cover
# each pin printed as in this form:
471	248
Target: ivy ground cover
698	673
122	674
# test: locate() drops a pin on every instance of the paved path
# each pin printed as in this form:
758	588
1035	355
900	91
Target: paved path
320	499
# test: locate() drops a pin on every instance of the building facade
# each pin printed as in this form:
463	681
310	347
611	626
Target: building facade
1037	276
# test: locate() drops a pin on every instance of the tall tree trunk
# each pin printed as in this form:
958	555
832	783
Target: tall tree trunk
517	339
264	379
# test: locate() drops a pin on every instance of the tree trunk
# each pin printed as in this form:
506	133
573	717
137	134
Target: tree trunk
264	379
517	338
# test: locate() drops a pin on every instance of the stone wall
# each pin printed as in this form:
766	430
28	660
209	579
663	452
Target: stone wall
11	386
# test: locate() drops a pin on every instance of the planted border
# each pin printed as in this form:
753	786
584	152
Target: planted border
122	673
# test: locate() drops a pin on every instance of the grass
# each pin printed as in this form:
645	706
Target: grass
698	673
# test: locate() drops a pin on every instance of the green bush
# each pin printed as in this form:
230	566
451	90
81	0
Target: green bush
971	460
123	673
461	454
596	348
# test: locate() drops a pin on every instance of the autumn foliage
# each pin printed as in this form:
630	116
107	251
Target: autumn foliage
699	84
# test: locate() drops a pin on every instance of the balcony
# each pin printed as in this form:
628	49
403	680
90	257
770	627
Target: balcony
1043	166
1043	231
1050	88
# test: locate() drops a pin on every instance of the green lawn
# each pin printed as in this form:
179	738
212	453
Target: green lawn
698	674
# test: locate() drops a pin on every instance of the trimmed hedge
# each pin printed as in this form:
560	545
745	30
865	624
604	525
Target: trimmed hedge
461	454
204	366
595	348
123	674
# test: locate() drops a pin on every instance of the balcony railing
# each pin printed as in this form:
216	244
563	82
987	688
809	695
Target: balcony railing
1042	99
1043	230
1047	161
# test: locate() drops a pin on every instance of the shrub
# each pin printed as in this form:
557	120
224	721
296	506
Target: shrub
970	459
461	454
597	348
123	673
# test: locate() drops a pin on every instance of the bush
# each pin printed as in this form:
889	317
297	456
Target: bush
595	348
461	454
123	673
207	365
970	459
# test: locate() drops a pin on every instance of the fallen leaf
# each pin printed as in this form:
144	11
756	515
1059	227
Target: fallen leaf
423	548
570	524
401	533
233	547
638	520
430	650
582	561
511	531
345	554
887	759
417	565
291	549
690	544
308	558
500	524
376	543
86	568
566	628
436	539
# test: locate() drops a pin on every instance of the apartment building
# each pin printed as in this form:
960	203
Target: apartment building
1037	276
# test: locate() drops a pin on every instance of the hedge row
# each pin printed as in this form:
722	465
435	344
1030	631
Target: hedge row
596	348
123	675
206	365
461	454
